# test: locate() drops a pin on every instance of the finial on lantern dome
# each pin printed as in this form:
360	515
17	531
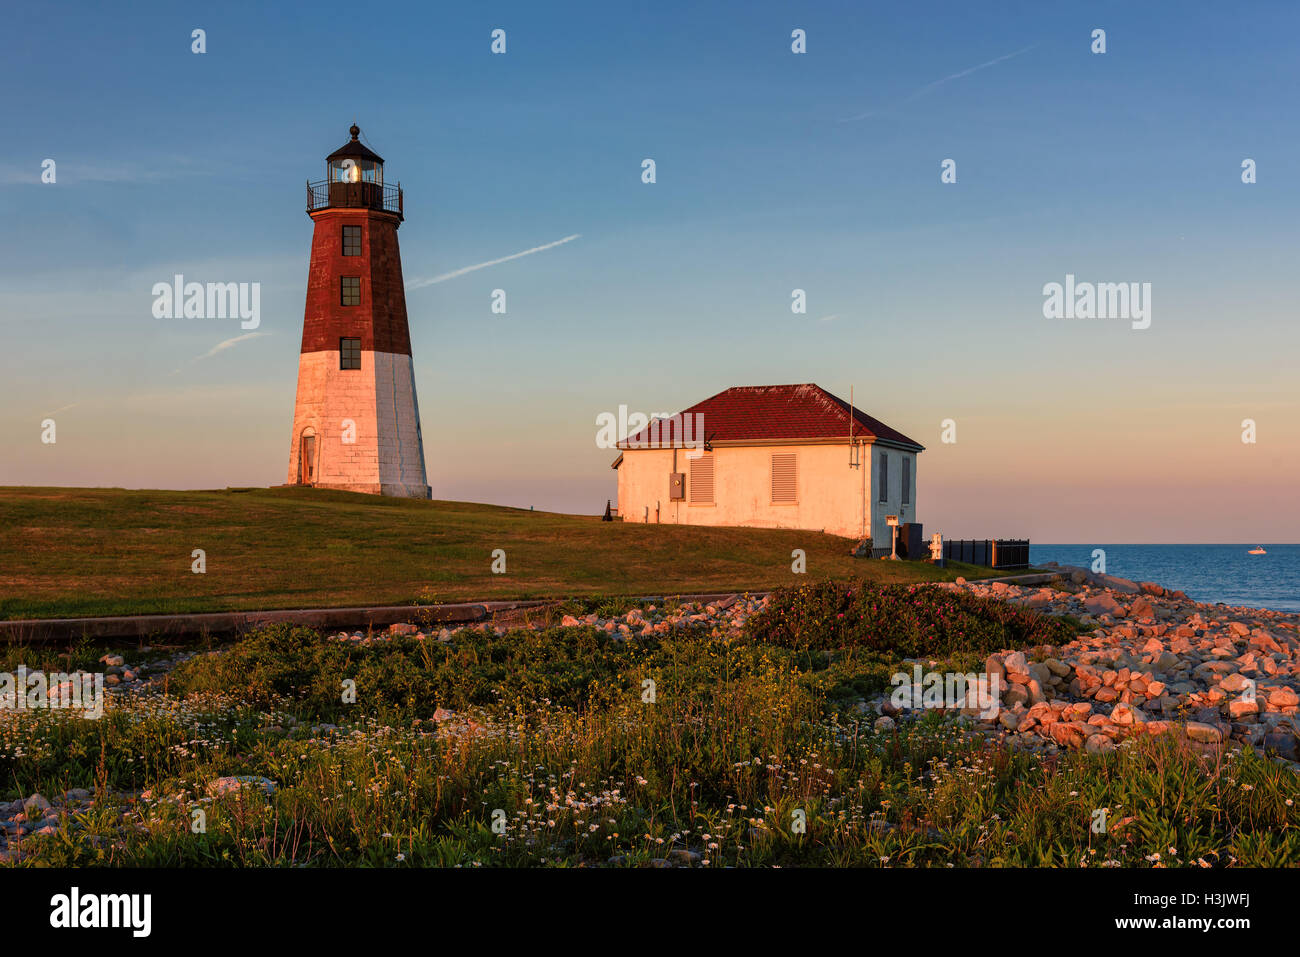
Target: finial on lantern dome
354	130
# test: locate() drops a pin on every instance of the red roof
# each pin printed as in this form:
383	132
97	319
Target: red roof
767	412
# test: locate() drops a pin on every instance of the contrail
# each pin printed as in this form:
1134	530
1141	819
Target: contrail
221	347
421	283
947	79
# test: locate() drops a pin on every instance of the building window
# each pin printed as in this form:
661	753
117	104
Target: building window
352	240
349	353
701	486
883	481
785	478
907	480
350	291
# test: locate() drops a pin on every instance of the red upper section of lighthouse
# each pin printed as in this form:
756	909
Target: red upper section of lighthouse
378	317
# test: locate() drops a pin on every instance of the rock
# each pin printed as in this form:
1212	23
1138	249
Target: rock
113	661
993	666
568	621
1099	744
683	856
1168	661
1066	734
1283	744
1013	695
1124	715
1101	604
1115	583
237	782
1035	691
1015	664
884	723
1283	698
403	628
1009	720
1058	668
35	806
1142	607
1235	682
1204	733
1242	708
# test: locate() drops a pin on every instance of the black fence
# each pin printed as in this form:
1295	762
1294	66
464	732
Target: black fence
354	195
993	553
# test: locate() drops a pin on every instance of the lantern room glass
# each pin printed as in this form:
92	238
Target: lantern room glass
352	170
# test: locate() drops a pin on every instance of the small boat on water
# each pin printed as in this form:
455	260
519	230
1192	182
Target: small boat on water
1257	550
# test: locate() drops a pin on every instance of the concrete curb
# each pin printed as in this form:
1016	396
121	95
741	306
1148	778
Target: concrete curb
43	630
225	624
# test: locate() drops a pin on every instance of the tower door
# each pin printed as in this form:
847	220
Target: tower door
307	460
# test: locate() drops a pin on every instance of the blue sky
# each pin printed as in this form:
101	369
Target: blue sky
775	171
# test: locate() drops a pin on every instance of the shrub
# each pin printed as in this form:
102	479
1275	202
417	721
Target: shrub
911	621
298	668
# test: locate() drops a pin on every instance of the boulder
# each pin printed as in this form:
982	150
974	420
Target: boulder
1101	604
1099	744
1204	733
237	782
1015	664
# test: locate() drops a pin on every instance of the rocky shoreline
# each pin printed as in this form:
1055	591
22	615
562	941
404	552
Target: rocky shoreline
1153	661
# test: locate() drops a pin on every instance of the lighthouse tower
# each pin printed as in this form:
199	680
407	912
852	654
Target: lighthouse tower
356	424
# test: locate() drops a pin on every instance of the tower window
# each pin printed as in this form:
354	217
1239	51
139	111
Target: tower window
352	240
349	353
350	291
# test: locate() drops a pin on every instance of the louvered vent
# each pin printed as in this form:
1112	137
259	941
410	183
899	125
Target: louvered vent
701	484
785	478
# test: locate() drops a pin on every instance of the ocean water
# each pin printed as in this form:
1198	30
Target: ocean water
1208	573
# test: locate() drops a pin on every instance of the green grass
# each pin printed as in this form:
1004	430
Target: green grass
741	736
85	552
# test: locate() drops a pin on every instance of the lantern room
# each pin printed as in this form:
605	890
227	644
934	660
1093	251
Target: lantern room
354	178
354	162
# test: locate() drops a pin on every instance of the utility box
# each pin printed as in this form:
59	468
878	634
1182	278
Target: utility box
911	542
676	486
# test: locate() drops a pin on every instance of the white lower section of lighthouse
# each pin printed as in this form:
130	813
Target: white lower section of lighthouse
358	429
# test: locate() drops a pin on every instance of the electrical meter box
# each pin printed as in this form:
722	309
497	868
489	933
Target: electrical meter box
676	486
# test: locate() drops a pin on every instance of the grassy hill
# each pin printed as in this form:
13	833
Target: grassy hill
80	552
